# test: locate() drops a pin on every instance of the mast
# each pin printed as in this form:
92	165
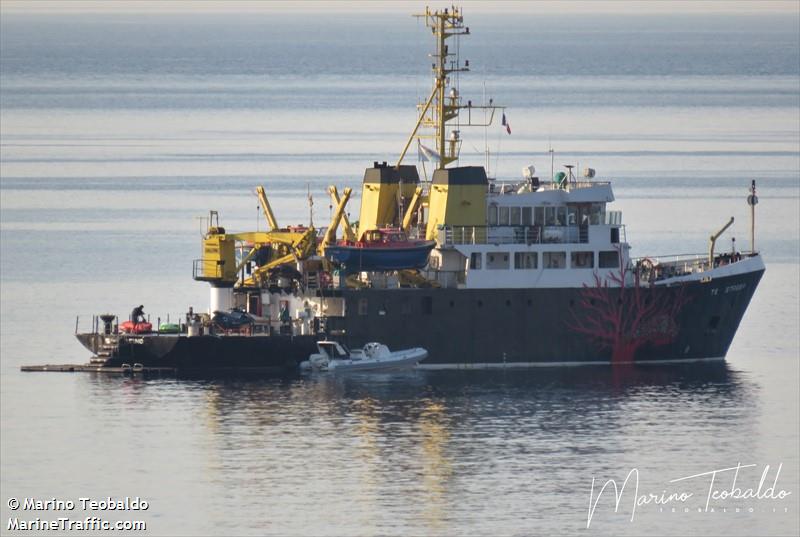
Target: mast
752	200
444	103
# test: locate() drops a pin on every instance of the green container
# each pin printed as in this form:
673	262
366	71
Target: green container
559	178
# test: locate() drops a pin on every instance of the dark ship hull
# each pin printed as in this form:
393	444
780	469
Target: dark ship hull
463	328
507	327
275	353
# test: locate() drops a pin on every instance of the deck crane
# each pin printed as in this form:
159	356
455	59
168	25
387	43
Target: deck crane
338	216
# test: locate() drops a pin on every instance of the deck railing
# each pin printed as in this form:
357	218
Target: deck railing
203	269
569	185
452	235
656	268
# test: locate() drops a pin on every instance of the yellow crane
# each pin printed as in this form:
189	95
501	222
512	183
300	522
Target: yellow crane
262	197
330	234
218	264
287	246
412	208
347	229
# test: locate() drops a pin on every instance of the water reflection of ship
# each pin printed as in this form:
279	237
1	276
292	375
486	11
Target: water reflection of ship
239	390
425	438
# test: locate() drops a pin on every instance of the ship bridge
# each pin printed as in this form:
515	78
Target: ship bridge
556	234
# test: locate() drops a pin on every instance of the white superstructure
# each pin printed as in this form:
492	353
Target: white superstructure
556	234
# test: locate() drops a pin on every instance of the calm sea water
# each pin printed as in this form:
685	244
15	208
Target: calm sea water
119	132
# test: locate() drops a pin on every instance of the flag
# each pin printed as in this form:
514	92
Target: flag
506	124
426	154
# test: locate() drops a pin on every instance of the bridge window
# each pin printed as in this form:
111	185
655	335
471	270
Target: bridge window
572	215
362	306
538	216
497	261
608	259
514	216
527	216
581	260
561	216
475	260
503	216
596	217
525	260
427	305
554	260
549	216
493	215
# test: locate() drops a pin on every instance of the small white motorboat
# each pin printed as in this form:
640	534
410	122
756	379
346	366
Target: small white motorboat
334	356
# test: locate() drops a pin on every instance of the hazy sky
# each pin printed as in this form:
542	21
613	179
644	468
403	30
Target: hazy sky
480	6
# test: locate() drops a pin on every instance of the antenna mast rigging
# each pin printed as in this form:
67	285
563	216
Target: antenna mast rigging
443	106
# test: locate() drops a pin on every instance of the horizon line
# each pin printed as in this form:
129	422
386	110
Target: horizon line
501	7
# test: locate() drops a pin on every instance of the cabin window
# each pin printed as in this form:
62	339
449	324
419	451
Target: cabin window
362	306
405	307
554	260
475	261
614	235
527	216
608	259
497	261
493	215
561	216
515	216
549	216
503	216
525	260
427	305
582	260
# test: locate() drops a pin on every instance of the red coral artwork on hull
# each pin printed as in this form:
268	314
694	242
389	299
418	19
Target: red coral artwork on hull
625	318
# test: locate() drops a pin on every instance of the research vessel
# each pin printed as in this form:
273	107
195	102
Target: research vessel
534	271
